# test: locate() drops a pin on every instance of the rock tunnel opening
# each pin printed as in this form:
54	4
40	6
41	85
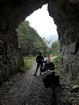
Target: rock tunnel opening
43	24
66	17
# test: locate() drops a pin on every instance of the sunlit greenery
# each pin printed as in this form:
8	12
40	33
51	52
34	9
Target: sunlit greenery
56	61
55	49
28	61
58	67
29	40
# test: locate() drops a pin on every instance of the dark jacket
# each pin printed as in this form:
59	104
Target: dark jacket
39	59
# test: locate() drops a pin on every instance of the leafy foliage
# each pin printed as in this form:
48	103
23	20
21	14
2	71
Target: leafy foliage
29	40
28	61
56	61
58	66
56	45
56	48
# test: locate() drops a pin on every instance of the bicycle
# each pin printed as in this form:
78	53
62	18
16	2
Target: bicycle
50	78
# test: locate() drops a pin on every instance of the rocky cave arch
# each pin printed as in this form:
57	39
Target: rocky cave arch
66	16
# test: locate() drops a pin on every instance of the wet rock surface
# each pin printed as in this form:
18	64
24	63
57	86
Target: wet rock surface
26	89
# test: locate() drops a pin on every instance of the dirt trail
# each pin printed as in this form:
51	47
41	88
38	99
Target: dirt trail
26	89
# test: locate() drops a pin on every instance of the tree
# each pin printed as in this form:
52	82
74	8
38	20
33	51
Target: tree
46	49
29	40
56	48
56	45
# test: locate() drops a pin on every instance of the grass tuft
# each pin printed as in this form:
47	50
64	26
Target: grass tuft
28	61
58	66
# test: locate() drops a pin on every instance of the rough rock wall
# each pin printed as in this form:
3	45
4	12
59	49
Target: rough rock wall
12	13
9	55
66	17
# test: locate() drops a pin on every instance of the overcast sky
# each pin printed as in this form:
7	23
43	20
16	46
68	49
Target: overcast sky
43	23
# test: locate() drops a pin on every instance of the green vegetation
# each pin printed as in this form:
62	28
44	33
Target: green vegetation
28	61
29	40
56	61
55	48
31	43
58	67
56	52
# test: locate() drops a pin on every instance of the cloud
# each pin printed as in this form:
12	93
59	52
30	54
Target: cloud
42	22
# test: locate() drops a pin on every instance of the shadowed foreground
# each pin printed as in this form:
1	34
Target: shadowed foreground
26	89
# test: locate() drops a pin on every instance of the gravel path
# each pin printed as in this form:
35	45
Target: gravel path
26	89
